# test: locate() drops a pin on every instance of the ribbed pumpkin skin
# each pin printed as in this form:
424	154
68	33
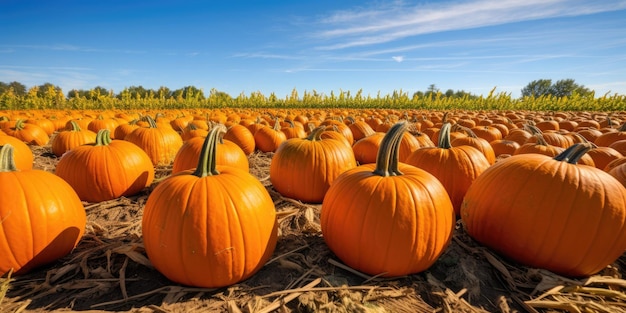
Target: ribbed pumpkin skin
106	172
160	143
42	219
241	136
209	232
395	225
387	218
70	138
304	169
570	219
228	153
23	155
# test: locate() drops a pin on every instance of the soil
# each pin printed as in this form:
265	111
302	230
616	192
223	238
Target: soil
110	272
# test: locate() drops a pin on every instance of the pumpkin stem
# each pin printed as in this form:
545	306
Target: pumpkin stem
316	133
207	165
74	126
7	159
387	157
103	138
19	124
444	136
573	154
150	120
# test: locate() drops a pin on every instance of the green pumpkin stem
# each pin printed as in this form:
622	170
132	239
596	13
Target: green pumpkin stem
7	159
316	133
444	136
573	154
74	126
19	124
387	157
103	138
207	165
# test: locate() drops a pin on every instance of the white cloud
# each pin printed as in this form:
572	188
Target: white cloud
364	27
398	58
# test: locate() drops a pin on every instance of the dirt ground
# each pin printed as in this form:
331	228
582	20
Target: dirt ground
109	272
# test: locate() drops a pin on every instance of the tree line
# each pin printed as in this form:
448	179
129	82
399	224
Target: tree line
536	88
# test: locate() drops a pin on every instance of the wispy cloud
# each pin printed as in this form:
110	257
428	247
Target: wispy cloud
376	25
398	58
68	48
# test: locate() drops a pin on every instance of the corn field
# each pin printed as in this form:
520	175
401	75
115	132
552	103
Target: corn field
343	99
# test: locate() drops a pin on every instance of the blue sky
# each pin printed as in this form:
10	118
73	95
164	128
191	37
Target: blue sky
324	45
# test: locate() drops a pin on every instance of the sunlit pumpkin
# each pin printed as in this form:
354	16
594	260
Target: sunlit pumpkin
548	212
212	227
42	218
387	218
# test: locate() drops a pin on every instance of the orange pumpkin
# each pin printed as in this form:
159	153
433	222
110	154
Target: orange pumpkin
31	134
455	167
242	137
107	169
387	218
23	155
304	168
71	138
549	212
161	142
212	227
42	217
228	153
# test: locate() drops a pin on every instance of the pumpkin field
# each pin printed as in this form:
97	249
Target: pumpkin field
313	210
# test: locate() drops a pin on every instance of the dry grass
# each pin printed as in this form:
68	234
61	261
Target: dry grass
109	272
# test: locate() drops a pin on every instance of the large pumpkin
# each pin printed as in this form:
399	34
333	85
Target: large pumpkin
387	218
212	227
107	169
42	218
304	168
549	212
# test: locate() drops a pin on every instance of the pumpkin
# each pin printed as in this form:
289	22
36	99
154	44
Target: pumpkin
227	153
161	142
23	155
107	169
212	227
42	217
606	139
242	137
619	172
71	138
387	218
31	134
304	168
366	149
267	139
102	122
455	167
360	129
549	212
472	140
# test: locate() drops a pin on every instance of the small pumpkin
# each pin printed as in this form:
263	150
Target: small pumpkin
107	169
160	142
31	134
71	138
548	212
42	217
212	227
227	153
304	168
387	218
455	167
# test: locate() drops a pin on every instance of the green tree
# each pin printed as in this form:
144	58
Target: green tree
537	88
561	88
566	87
